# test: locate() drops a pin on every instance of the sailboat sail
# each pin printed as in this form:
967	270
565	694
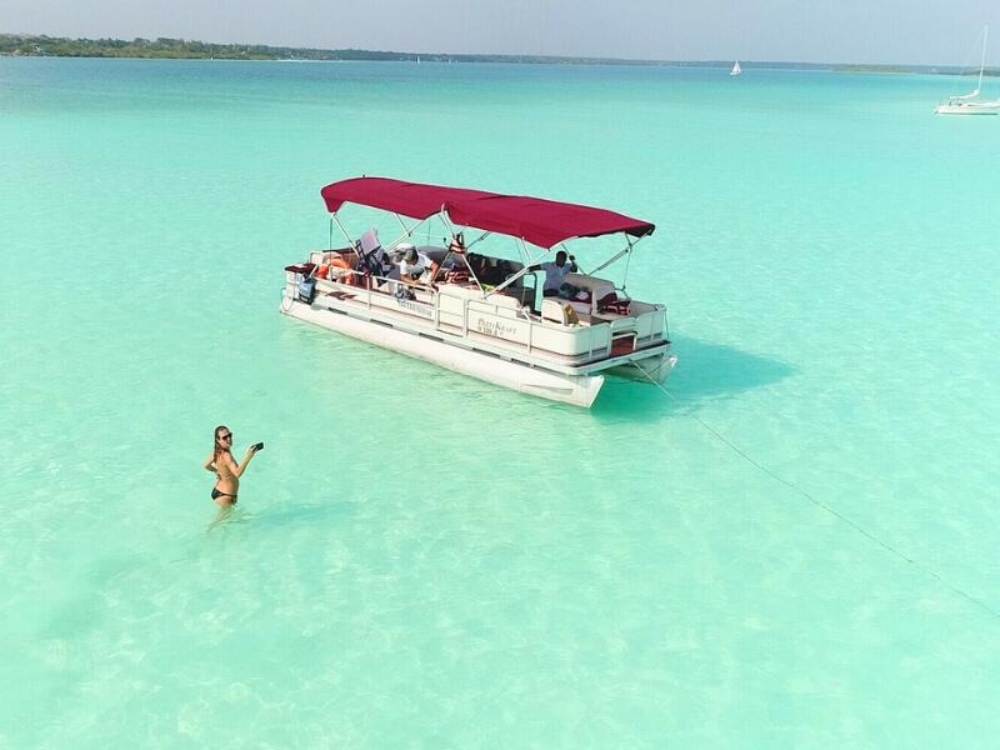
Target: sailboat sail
736	69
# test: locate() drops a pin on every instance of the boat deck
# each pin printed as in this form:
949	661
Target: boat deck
573	337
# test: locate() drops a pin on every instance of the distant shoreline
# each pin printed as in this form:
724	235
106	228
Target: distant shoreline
19	45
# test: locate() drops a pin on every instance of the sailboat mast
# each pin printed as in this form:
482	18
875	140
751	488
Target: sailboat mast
982	62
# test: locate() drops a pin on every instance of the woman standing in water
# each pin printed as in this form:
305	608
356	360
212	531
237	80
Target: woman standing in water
224	466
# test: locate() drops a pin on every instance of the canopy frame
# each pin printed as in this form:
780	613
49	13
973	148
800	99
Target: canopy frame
489	213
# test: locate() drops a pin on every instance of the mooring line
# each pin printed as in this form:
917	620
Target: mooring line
824	506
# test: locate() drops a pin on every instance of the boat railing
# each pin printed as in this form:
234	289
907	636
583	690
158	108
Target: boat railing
566	329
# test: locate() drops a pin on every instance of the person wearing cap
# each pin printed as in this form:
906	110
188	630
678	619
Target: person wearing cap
414	264
555	272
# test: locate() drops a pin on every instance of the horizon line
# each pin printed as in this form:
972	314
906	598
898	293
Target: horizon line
277	50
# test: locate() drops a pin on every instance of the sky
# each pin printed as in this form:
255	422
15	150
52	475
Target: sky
928	32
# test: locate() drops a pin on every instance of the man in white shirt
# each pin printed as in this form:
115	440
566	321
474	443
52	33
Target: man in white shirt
414	264
556	272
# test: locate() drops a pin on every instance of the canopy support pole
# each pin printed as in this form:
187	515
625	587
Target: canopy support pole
350	240
628	260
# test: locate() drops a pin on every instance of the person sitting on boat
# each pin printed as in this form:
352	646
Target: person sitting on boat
489	271
413	266
556	272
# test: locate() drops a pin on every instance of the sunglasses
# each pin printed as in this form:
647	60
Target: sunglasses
228	436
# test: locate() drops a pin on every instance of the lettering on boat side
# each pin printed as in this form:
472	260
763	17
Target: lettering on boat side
498	328
412	307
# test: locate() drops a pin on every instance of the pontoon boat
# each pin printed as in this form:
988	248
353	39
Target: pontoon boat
477	313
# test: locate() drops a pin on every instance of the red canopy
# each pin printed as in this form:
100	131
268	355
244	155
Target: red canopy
541	222
407	198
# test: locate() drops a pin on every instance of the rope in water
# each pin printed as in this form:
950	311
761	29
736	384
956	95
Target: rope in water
825	507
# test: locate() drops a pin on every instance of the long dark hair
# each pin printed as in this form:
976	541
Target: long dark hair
216	449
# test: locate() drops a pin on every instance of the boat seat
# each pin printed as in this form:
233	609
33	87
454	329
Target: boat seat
600	289
559	311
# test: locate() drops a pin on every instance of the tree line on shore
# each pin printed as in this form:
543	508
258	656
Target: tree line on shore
164	48
182	49
45	46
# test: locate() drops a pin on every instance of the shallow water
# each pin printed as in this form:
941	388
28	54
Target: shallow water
795	547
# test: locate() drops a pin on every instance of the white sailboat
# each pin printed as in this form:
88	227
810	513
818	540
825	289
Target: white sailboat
737	70
971	104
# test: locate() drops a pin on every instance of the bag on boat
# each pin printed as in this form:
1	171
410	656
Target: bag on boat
568	291
610	303
307	290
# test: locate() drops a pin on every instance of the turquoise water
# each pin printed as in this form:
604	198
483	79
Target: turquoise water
795	548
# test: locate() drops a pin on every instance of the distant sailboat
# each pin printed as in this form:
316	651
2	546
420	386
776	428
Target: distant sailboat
971	104
736	69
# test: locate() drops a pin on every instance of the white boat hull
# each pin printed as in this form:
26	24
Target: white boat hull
990	108
653	369
578	390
